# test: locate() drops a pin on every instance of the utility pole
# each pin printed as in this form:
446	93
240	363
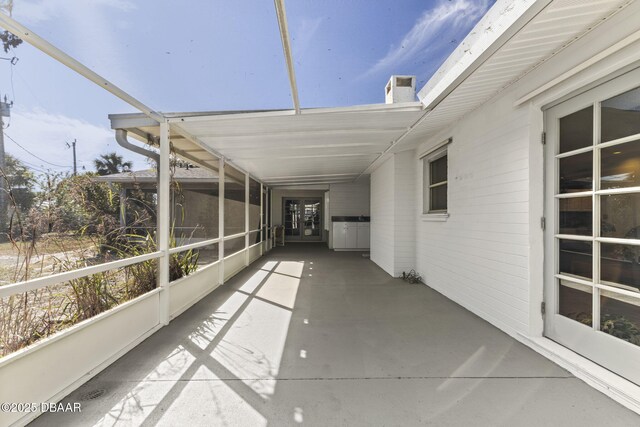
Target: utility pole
75	165
5	111
73	146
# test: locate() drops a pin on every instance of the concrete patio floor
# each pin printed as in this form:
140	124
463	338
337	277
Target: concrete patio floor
310	336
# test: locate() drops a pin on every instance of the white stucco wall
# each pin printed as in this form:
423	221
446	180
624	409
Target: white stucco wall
393	214
405	212
350	199
382	216
479	256
488	255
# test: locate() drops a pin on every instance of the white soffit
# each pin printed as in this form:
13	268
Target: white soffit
317	146
545	33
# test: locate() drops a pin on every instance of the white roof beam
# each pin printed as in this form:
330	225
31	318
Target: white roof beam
296	183
308	156
288	55
303	177
296	133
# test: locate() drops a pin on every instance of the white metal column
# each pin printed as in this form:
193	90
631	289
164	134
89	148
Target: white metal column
221	220
261	219
164	212
273	236
246	219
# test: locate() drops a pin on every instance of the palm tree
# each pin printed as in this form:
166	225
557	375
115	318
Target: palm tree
111	163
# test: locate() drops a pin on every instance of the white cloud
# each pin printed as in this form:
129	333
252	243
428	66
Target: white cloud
45	134
453	14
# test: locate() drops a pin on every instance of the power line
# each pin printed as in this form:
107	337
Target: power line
33	166
39	158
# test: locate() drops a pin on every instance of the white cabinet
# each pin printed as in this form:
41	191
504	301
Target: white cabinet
363	230
339	235
351	235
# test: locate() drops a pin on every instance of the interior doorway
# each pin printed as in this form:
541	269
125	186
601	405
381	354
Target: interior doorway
302	219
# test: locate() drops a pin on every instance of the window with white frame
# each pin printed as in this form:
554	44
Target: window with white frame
434	167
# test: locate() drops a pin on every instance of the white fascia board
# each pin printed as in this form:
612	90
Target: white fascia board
128	121
499	24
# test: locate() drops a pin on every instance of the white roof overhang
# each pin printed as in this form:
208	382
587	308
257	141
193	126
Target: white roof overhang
316	146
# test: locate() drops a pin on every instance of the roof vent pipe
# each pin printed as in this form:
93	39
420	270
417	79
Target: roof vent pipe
400	89
121	139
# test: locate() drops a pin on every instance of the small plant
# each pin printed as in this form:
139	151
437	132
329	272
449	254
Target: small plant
411	277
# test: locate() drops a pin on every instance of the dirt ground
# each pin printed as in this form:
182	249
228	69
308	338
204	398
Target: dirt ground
42	258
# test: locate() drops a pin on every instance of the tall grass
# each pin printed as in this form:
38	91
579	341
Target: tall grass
28	317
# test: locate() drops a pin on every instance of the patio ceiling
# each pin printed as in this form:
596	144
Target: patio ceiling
321	145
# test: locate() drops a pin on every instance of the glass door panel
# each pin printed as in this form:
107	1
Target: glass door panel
292	209
621	115
575	301
576	173
620	215
620	316
575	130
312	220
575	258
620	164
620	266
576	216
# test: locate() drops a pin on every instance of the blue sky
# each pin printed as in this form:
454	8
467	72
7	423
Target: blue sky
212	55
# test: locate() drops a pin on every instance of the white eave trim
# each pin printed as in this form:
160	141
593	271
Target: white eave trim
627	41
505	19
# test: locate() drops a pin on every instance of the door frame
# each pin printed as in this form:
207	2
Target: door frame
612	353
304	199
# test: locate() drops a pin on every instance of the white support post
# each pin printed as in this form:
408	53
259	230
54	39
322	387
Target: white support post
123	207
246	219
273	234
221	220
163	221
261	219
